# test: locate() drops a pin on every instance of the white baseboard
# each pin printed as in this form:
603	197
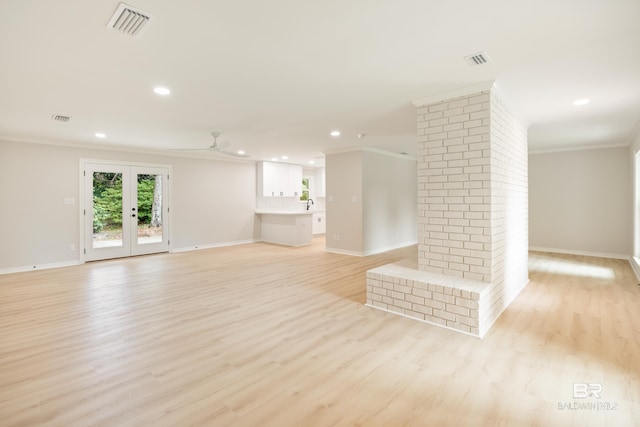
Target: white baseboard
391	248
213	245
373	252
635	266
582	253
40	267
77	262
343	252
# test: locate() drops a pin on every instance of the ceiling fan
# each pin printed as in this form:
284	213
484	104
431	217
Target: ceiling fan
218	148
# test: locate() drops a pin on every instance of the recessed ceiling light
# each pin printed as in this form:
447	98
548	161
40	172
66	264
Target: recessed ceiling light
579	102
161	90
311	162
285	157
101	135
335	133
362	135
240	151
274	159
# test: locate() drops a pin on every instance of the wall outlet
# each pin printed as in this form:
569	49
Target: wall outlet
331	198
354	198
336	237
72	247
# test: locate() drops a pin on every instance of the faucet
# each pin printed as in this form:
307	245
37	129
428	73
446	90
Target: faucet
312	202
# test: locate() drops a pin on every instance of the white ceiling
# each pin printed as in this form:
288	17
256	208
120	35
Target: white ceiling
277	76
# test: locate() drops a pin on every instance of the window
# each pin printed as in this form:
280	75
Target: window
304	196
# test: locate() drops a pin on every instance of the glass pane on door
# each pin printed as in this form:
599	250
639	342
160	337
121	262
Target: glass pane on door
149	206
107	209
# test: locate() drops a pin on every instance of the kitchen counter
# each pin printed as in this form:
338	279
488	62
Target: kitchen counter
281	212
286	227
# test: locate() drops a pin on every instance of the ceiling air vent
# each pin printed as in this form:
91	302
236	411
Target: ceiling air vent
479	58
61	118
128	20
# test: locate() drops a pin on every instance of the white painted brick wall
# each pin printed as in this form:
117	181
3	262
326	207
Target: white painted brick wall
454	187
509	205
472	217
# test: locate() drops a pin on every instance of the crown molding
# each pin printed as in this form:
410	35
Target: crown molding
370	150
577	148
127	149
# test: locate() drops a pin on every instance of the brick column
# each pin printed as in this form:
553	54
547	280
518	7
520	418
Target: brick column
454	187
472	215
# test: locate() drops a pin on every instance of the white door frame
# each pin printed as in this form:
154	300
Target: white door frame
120	164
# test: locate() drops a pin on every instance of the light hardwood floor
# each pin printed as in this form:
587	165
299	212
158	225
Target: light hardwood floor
265	335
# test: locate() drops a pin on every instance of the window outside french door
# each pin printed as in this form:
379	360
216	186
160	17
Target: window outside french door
125	210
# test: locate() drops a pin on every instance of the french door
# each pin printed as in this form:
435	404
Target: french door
126	210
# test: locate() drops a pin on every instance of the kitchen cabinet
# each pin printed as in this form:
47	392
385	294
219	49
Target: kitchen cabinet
286	227
319	225
295	180
279	179
266	173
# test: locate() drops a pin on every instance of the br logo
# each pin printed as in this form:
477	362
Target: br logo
585	390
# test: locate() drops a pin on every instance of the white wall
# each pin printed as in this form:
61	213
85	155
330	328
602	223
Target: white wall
634	153
371	202
581	201
213	202
344	215
389	202
635	210
634	149
221	210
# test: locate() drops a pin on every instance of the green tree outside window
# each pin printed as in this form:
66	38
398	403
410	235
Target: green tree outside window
305	190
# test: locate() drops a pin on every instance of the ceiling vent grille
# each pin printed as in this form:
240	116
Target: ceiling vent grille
128	20
479	58
61	118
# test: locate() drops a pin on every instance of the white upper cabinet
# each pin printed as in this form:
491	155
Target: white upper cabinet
279	179
266	179
295	181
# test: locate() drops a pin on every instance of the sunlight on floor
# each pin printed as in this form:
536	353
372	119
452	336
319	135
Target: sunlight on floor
546	264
